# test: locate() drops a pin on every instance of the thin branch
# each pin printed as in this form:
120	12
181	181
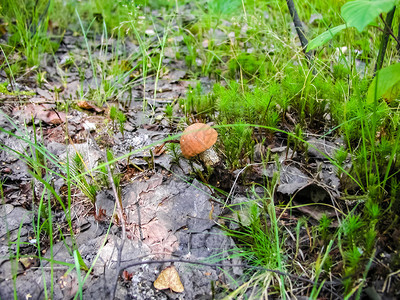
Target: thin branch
397	40
120	212
193	262
213	265
385	38
299	29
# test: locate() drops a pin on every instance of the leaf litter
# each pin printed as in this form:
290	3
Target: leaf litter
169	279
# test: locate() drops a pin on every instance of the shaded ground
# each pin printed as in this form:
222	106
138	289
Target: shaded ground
166	216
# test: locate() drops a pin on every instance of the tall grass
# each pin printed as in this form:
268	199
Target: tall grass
28	23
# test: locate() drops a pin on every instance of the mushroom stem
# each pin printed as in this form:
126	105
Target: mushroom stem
209	157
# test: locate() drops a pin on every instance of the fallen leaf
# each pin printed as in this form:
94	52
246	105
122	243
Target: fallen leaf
88	106
158	150
43	112
100	215
127	276
169	279
28	262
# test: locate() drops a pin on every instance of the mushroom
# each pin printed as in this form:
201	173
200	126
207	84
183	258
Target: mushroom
198	139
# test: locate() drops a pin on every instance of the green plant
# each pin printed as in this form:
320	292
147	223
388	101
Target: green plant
121	121
43	165
169	111
247	65
198	104
174	150
41	78
190	56
260	240
111	78
323	227
77	167
238	143
359	14
117	115
295	142
28	23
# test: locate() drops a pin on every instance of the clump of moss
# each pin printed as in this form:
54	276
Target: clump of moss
243	108
5	91
248	65
258	106
199	104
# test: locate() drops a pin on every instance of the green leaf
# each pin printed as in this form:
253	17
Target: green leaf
360	13
223	7
79	261
385	82
325	37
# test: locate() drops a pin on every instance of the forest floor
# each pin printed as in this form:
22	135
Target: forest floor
98	200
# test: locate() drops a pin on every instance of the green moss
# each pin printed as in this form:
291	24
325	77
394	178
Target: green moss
196	103
4	90
248	64
254	107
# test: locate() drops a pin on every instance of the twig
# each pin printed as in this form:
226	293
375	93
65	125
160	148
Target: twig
332	283
299	30
398	41
385	38
236	179
120	213
139	223
390	32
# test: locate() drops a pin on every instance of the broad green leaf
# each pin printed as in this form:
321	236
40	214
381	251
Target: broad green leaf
392	93
223	7
325	37
360	13
384	83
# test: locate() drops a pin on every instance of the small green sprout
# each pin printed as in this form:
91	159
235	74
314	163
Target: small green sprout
119	116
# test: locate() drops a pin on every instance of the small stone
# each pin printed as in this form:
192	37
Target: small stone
89	126
150	32
5	209
128	127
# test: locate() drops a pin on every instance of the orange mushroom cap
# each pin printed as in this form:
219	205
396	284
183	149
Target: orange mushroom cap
197	138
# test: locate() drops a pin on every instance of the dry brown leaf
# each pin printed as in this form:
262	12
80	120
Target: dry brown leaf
28	262
169	279
88	106
158	150
127	276
44	112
